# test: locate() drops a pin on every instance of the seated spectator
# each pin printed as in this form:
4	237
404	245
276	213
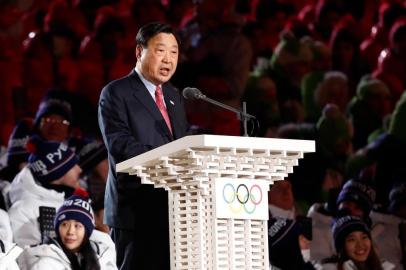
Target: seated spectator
391	67
386	154
54	122
355	198
320	88
322	170
51	175
386	224
333	89
355	250
76	245
344	43
321	64
281	200
378	40
397	200
288	245
368	108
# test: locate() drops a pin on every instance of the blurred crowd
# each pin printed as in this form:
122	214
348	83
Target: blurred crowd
333	71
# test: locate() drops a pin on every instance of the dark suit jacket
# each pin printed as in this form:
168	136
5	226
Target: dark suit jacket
132	124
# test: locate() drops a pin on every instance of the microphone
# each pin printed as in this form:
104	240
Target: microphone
192	93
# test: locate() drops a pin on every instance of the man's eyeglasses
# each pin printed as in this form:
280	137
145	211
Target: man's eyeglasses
49	120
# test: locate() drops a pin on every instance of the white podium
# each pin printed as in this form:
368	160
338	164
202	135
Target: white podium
218	203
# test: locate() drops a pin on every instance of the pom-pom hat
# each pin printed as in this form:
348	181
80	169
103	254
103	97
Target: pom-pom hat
49	160
359	193
77	207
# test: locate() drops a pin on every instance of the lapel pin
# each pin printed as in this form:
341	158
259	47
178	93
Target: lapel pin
172	102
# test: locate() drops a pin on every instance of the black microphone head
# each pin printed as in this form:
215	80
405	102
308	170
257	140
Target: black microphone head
191	93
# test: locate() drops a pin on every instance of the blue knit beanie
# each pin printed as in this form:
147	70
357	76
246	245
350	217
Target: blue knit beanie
343	226
49	160
361	194
53	106
76	207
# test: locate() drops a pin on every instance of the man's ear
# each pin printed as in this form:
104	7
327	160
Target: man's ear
138	51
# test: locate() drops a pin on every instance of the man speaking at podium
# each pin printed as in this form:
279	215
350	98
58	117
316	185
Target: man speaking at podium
137	113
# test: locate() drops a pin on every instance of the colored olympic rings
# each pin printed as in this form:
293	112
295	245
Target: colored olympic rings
242	197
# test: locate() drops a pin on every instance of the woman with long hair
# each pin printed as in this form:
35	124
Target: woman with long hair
77	246
355	250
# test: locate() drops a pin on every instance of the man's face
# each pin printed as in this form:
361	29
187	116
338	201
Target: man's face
157	63
54	127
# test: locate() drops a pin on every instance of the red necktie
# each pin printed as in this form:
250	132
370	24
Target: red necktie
159	99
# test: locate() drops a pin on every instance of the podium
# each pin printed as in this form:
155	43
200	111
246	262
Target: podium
217	195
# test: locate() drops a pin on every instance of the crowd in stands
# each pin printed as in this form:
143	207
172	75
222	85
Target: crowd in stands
333	71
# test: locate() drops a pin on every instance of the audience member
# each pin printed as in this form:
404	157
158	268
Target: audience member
379	36
355	199
344	44
355	249
292	78
288	245
386	226
321	64
391	67
333	89
51	175
368	109
218	60
281	200
76	245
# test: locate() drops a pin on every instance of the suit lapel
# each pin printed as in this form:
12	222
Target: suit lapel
142	94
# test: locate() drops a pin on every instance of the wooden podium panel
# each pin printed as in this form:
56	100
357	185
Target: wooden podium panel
218	189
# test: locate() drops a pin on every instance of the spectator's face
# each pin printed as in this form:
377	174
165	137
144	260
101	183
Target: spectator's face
357	246
72	234
71	178
54	127
158	61
352	208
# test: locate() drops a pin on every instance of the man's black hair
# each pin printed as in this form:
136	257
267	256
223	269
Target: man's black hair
150	30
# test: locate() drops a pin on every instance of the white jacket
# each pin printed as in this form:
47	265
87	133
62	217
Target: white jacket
322	244
26	196
349	265
385	235
52	257
9	256
6	235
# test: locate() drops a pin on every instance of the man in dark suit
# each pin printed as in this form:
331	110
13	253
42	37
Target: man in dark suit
134	118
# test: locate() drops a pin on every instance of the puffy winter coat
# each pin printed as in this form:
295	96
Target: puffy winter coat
8	255
52	257
26	197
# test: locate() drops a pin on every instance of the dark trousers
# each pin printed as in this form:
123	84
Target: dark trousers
151	255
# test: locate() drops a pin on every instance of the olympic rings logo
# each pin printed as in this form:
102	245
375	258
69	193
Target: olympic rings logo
242	197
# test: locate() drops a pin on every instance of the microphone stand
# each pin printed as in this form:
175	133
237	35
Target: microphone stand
241	115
